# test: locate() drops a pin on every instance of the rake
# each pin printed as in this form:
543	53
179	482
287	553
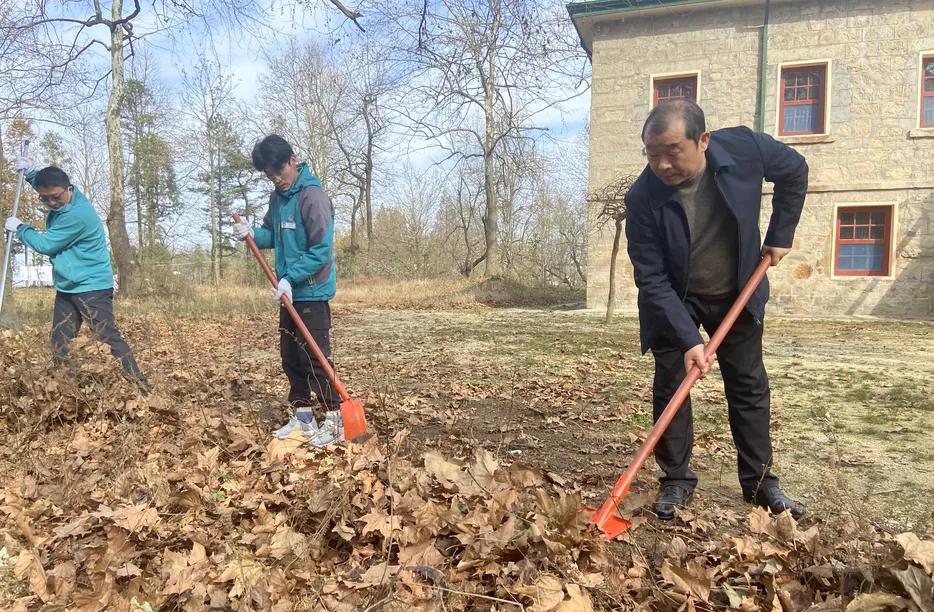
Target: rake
606	519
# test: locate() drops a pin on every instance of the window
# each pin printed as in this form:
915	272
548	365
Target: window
803	94
673	88
927	92
863	236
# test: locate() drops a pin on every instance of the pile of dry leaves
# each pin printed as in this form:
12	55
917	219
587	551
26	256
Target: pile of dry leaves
110	501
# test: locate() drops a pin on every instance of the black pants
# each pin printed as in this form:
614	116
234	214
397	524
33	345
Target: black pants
747	395
304	372
97	308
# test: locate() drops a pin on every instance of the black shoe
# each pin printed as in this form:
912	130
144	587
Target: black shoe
670	499
776	501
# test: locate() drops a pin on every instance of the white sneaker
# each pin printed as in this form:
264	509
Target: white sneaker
331	430
307	427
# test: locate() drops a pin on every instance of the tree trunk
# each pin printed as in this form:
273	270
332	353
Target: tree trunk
491	218
491	221
125	258
215	238
152	204
368	176
611	300
138	190
353	231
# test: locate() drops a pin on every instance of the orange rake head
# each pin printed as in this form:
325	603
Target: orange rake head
354	418
610	526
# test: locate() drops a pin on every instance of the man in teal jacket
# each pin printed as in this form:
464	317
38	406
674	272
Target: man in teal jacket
299	226
75	242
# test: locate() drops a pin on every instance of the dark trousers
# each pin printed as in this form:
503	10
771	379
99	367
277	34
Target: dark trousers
97	308
301	367
747	396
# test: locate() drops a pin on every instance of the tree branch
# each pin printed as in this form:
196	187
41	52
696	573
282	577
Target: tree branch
351	15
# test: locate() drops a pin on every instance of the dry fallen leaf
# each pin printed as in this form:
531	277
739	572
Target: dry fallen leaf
578	600
918	585
919	551
877	602
694	579
134	518
244	572
28	565
424	554
450	475
546	593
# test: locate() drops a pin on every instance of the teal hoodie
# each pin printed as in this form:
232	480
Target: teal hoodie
299	225
74	240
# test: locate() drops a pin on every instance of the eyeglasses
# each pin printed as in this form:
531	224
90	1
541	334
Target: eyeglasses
54	198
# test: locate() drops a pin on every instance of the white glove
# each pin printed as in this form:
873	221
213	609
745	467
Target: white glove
12	224
284	288
23	164
242	229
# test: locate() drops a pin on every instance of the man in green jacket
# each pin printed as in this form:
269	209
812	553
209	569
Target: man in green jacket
299	226
74	240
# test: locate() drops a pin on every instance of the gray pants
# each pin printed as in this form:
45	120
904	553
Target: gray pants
97	308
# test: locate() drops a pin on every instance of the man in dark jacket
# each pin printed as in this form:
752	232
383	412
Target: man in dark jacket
693	238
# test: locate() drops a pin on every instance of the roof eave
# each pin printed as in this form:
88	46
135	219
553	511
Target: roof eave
585	14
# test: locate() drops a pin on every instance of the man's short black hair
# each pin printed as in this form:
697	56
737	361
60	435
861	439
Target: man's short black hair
51	177
273	151
668	111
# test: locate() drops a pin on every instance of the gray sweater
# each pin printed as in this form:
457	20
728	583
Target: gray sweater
714	248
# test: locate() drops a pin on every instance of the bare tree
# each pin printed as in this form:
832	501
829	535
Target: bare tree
612	207
70	31
360	127
459	227
484	69
520	165
208	91
307	90
43	42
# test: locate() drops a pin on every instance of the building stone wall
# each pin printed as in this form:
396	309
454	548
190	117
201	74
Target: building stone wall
874	151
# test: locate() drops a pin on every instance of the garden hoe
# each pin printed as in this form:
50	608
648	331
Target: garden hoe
606	519
20	178
351	409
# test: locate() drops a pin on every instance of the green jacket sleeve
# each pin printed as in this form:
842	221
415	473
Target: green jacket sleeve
263	235
318	217
65	232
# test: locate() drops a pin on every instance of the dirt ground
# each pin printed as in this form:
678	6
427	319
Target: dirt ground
852	400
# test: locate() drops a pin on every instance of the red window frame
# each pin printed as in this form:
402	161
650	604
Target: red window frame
927	87
821	98
862	217
689	80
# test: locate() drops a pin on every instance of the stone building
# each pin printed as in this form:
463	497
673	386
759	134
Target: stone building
848	83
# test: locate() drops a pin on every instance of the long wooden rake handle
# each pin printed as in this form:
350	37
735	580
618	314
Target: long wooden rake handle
332	376
621	488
